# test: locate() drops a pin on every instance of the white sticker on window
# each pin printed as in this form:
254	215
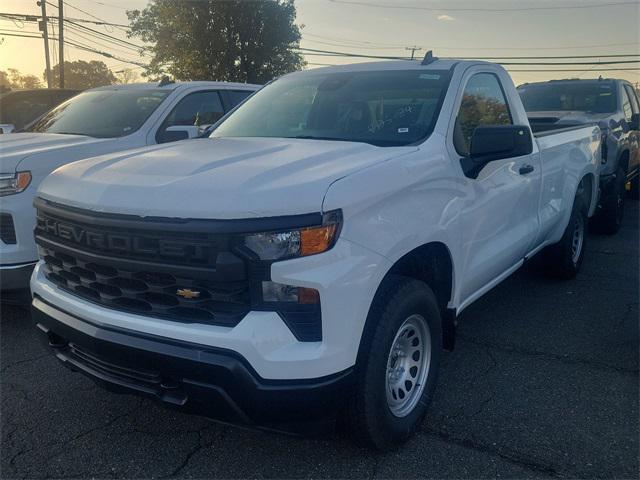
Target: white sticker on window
403	130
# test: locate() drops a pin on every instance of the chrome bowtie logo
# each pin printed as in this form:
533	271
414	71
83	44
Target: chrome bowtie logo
187	293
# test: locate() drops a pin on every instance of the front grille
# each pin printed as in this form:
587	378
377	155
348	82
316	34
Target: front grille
115	267
7	230
148	292
191	271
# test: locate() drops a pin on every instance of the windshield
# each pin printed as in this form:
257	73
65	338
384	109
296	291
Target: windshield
102	113
591	97
384	108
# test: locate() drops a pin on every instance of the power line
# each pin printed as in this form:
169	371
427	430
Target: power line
77	35
87	13
34	18
476	9
80	47
375	45
105	37
313	51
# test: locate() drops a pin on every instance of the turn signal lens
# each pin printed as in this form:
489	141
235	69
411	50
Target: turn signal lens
11	184
317	240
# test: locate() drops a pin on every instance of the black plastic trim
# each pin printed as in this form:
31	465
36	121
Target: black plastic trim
210	381
232	226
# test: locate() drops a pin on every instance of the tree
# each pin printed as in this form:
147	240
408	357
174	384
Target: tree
235	40
128	75
83	75
13	80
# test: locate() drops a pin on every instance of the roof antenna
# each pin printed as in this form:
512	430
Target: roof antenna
429	58
165	81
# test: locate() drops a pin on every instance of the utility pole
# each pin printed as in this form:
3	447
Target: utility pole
413	49
61	42
45	35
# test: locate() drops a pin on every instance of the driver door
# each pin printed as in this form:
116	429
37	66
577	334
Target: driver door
500	206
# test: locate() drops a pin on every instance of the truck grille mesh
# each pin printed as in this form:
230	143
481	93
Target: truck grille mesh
215	292
147	292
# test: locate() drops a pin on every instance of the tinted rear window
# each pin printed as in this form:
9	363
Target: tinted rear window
590	97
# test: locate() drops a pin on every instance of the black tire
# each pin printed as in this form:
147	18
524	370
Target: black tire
609	218
561	260
369	415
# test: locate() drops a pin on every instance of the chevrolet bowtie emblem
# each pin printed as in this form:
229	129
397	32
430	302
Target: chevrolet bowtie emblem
187	293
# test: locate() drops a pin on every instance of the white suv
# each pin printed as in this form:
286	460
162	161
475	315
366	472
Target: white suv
102	120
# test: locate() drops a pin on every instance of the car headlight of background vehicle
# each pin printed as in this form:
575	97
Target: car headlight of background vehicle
273	246
12	183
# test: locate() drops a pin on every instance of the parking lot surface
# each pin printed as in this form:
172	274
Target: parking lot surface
543	383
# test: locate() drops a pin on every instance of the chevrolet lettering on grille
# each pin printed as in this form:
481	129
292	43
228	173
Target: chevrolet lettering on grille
121	243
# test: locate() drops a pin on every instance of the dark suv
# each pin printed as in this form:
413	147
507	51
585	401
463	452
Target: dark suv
613	105
21	107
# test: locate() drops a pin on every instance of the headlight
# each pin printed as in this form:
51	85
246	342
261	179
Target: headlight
12	183
296	243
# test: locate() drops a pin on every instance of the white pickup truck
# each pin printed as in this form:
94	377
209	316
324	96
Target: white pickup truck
102	120
309	260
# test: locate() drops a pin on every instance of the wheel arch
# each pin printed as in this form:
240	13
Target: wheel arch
431	263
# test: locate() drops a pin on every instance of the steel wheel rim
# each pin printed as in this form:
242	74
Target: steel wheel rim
577	239
408	365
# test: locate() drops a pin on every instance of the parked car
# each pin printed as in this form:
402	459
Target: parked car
21	107
613	106
98	121
310	258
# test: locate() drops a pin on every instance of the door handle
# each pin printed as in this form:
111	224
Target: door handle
524	169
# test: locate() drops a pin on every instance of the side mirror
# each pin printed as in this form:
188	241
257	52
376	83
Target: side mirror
495	142
7	127
180	132
635	122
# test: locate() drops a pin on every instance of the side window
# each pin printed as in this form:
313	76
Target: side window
237	96
483	103
200	108
635	108
626	105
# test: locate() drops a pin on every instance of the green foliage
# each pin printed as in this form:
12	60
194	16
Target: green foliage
82	75
234	40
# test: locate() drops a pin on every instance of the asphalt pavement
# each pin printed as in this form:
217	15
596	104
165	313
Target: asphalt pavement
543	383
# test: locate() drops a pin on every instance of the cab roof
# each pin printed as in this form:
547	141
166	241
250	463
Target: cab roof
178	85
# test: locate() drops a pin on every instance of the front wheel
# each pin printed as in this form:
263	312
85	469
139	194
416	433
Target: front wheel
563	260
398	364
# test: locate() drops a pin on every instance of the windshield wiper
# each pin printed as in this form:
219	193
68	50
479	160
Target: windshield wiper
313	137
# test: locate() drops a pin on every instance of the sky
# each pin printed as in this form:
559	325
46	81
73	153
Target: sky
453	28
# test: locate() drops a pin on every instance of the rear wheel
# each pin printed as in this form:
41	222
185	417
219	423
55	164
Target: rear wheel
563	260
397	365
609	218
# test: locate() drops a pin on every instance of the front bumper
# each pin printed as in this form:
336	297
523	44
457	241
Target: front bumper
209	381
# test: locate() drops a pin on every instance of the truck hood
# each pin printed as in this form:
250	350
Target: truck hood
213	178
15	147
